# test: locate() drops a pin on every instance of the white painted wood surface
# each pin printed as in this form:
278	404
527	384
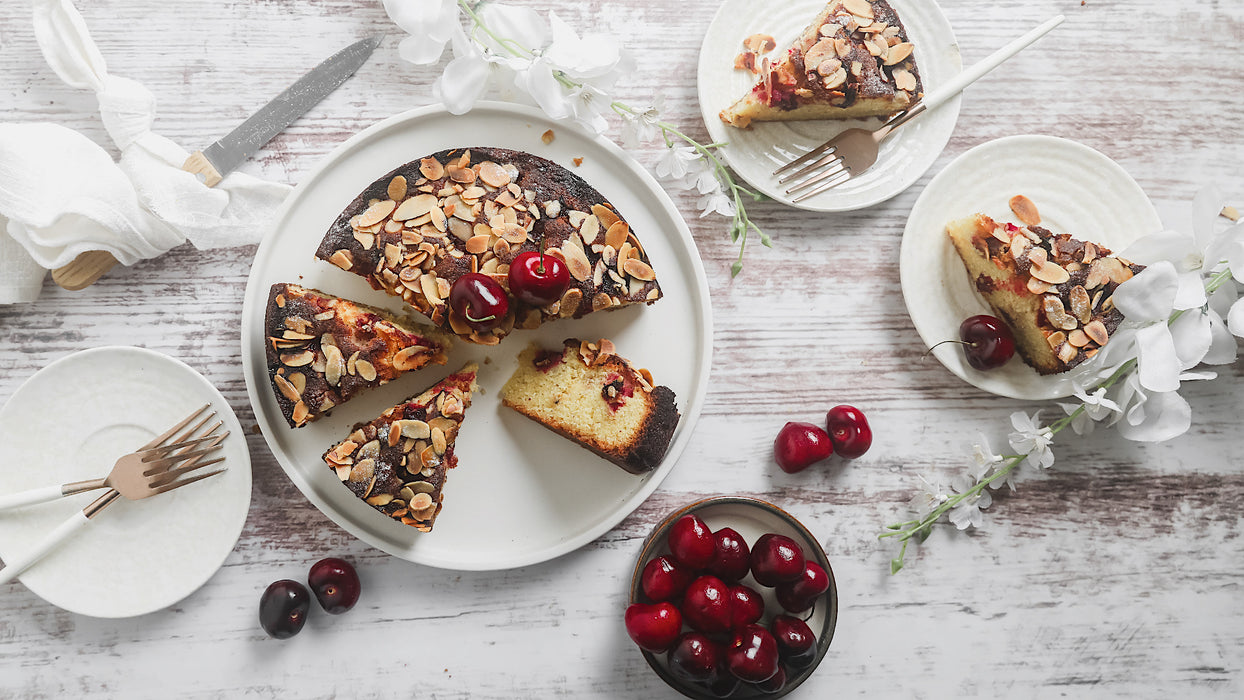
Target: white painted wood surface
1116	574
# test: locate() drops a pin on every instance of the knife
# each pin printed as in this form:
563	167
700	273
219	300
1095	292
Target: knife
221	158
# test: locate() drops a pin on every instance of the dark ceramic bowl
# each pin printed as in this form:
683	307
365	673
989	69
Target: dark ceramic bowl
751	518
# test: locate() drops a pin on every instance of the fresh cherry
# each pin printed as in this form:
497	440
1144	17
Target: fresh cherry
653	627
848	431
753	654
798	445
774	684
538	279
691	542
730	563
694	657
335	584
665	579
706	605
479	300
776	559
801	594
746	606
283	608
989	342
796	642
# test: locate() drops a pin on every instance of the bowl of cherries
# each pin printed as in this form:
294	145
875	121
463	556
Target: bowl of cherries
732	597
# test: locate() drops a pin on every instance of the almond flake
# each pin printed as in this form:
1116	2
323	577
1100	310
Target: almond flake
569	304
904	80
427	285
342	259
1096	331
431	168
576	262
493	174
1057	315
898	52
639	270
1025	210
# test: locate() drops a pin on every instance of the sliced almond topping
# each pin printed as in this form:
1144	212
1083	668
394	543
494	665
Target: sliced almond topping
438	441
861	8
829	67
1096	331
1230	212
760	43
431	168
287	389
493	174
1078	338
616	235
474	193
590	229
1081	305
459	173
1050	272
299	381
1025	210
605	215
376	213
365	239
838	78
1090	252
570	302
1057	315
1055	339
415	207
601	301
547	137
300	359
904	80
1119	273
420	501
413	429
407	359
577	262
342	259
300	413
334	365
1067	352
639	270
477	244
427	285
514	234
898	53
500	248
1036	286
366	370
461	230
397	188
1098	273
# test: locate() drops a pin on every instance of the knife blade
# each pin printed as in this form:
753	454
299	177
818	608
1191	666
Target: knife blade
222	157
225	155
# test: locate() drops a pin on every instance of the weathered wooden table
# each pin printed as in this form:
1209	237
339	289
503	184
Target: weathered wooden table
1113	574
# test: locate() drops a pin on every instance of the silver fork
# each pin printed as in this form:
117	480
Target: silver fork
155	468
855	150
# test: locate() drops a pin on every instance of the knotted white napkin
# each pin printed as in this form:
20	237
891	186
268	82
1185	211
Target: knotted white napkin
62	194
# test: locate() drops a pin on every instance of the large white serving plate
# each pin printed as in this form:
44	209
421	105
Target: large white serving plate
70	422
1077	191
520	493
754	153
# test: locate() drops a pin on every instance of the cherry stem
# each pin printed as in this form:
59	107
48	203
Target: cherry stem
961	342
540	269
472	319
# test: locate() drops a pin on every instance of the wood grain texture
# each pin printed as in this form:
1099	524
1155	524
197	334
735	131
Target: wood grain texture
1115	574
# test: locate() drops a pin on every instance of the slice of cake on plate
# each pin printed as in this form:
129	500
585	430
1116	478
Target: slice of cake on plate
589	394
323	349
854	60
1054	291
397	463
418	229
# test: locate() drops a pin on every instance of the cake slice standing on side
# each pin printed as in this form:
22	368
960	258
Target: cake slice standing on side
589	394
1054	291
322	349
397	463
854	60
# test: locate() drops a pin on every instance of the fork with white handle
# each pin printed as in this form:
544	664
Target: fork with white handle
855	150
157	467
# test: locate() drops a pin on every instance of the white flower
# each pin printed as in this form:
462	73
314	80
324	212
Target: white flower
1096	408
473	70
1151	416
716	201
967	513
675	162
983	459
929	499
641	127
517	25
430	24
589	106
594	58
1164	349
1032	440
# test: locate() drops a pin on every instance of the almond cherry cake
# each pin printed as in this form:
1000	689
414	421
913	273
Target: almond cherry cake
589	394
421	228
322	349
1054	291
397	463
853	60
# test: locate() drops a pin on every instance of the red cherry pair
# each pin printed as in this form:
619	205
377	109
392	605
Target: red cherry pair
534	278
799	445
284	605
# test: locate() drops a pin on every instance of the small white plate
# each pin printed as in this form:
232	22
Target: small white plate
1077	191
520	494
756	152
70	422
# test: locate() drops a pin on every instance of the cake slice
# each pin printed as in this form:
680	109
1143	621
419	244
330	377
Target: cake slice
1054	291
421	227
323	349
589	394
397	463
853	60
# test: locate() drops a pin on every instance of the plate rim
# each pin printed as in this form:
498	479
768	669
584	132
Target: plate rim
907	245
692	408
217	398
912	177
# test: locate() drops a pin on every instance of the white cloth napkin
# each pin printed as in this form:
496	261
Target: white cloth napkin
63	194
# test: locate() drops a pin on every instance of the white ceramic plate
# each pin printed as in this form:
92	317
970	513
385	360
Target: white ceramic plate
1077	191
520	494
756	152
70	422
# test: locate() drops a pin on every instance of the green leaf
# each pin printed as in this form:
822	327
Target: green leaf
895	526
736	268
896	565
923	533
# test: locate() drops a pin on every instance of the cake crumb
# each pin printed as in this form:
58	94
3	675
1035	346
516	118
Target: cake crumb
577	161
547	137
1230	212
